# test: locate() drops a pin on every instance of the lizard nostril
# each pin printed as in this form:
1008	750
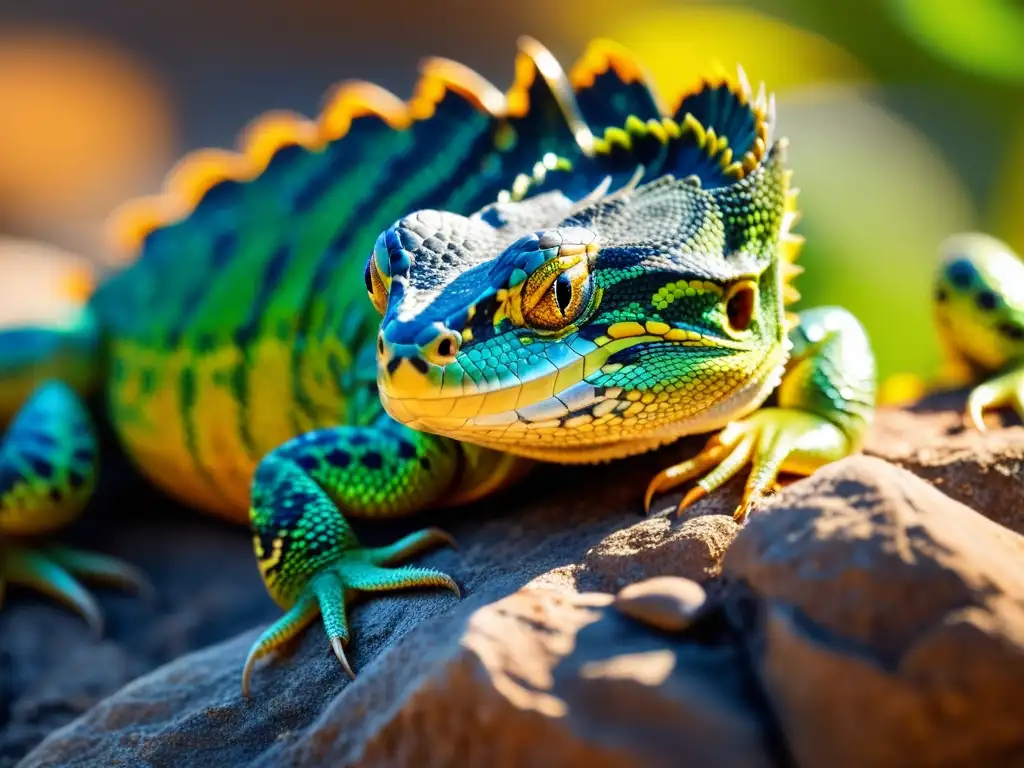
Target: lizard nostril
444	348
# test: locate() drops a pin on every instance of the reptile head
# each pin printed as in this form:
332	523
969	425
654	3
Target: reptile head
979	299
570	326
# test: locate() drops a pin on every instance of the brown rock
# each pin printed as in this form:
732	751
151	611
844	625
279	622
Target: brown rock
660	546
539	678
893	621
872	594
668	603
984	470
542	678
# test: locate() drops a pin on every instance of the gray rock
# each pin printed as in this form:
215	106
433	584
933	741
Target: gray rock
538	678
52	668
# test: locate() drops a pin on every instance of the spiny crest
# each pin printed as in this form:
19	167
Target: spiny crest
547	130
610	83
266	136
717	134
790	245
729	121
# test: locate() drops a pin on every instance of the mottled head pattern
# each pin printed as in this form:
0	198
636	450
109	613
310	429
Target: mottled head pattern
608	302
979	291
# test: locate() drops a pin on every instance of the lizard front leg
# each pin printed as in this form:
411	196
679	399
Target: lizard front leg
825	405
48	470
310	558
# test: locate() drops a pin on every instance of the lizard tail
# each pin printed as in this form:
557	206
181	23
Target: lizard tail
46	327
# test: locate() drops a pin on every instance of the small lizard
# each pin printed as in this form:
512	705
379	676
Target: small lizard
565	272
979	314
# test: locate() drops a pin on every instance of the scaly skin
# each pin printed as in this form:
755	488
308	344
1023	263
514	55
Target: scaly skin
566	272
979	313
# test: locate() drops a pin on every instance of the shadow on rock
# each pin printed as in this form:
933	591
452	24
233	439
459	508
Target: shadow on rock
862	617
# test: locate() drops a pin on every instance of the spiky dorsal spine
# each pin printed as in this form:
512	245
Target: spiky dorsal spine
537	74
732	142
790	246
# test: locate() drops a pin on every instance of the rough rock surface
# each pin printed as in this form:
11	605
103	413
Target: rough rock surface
984	470
209	591
891	621
863	617
52	668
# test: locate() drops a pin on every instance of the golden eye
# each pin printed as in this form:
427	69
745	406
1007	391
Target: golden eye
740	305
375	285
556	293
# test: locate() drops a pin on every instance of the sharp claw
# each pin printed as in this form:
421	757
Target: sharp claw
247	674
665	480
684	471
743	511
133	580
100	569
339	650
444	537
975	418
454	587
693	495
652	488
146	592
95	621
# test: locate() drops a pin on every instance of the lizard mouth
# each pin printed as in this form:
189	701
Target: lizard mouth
580	398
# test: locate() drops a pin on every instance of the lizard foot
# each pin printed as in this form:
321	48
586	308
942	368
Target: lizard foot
772	440
1004	390
56	571
356	570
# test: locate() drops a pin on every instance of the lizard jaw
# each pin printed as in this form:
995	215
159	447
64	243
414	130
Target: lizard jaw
556	429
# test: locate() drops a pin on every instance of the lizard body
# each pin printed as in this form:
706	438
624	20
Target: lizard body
401	305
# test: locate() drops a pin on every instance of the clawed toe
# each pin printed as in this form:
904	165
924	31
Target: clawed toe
338	646
59	572
768	441
327	593
1003	391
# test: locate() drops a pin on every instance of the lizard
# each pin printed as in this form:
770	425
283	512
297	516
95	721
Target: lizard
404	305
979	316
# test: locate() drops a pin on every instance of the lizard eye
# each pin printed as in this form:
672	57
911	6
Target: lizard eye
556	294
740	304
375	285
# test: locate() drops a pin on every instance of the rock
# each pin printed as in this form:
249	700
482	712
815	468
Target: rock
538	678
542	678
209	590
662	546
984	470
861	590
892	629
666	602
52	668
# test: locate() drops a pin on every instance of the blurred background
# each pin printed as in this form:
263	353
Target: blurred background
906	117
